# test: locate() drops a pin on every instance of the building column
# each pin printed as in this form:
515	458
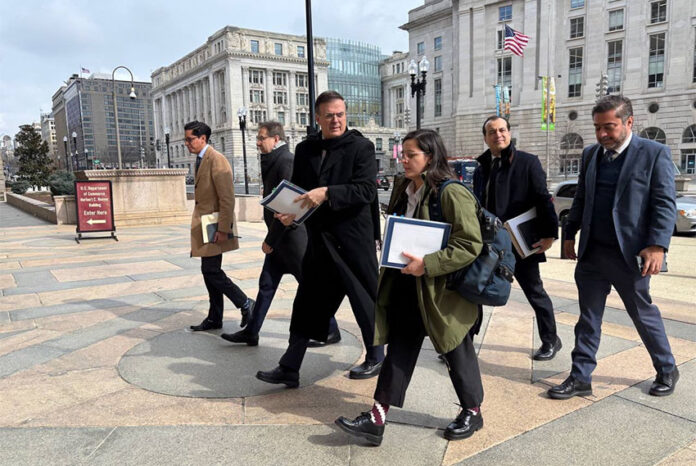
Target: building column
213	98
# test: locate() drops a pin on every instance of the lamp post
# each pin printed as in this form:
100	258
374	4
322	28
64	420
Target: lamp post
87	164
397	152
132	96
67	156
241	113
76	158
418	86
166	141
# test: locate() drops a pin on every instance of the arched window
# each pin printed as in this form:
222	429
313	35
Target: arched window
689	136
571	141
654	133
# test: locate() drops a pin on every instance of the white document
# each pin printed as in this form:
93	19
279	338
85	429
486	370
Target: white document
522	232
416	237
282	201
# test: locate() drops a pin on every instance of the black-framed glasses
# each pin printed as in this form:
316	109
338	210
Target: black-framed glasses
262	138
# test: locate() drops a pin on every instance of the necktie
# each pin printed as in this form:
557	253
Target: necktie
610	155
198	163
490	187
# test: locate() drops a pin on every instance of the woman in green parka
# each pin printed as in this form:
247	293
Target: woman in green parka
413	302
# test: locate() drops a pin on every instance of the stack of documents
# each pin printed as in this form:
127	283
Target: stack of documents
411	235
282	201
209	225
523	232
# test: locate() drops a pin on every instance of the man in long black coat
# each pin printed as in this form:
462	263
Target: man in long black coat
509	182
337	168
284	248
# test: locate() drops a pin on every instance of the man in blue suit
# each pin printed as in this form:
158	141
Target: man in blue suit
625	206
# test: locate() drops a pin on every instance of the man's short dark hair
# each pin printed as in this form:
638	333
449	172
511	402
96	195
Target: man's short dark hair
198	129
620	104
273	128
325	97
493	118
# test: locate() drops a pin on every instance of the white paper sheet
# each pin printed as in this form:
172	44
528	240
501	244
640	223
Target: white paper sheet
417	239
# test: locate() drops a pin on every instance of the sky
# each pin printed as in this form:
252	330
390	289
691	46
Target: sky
42	43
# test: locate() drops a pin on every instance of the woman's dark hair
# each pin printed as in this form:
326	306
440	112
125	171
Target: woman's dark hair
430	142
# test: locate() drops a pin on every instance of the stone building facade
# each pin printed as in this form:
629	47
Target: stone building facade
646	48
396	93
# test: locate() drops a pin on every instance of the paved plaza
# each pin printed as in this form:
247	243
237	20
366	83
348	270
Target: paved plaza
97	367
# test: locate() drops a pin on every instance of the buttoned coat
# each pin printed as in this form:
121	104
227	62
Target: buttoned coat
214	192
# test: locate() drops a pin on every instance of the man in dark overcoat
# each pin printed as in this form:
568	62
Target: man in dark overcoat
509	182
338	170
284	248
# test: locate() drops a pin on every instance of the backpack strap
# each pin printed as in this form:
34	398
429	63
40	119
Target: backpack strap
435	202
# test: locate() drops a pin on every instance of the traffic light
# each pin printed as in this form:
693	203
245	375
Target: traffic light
602	86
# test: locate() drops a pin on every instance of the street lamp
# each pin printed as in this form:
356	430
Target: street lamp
77	155
132	96
241	113
87	167
166	141
397	140
67	156
418	86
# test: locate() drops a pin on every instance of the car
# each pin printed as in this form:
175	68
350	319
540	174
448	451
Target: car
464	169
383	182
564	193
189	179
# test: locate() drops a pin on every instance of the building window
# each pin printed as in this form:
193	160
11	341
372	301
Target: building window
438	97
281	118
400	92
257	116
616	20
222	145
278	48
505	72
378	144
577	27
577	3
655	134
302	99
575	72
255	76
280	97
420	48
256	96
437	43
300	51
254	46
656	62
614	62
301	118
280	79
688	161
301	80
689	136
505	13
500	41
658	11
438	63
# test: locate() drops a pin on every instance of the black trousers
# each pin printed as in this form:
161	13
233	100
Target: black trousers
406	335
218	284
529	278
274	267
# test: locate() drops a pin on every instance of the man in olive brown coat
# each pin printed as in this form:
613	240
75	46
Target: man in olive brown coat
214	192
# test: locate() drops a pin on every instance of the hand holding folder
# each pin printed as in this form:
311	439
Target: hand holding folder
282	201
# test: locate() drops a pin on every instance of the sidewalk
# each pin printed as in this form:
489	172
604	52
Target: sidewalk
96	367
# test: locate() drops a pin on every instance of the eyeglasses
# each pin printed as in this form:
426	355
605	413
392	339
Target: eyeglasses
410	155
191	139
262	138
330	116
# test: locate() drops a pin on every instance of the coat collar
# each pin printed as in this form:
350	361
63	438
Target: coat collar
633	148
507	156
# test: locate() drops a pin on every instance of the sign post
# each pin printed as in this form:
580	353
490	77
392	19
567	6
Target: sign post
95	209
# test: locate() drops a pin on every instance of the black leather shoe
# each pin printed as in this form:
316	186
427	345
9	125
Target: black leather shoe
247	313
333	338
548	350
243	336
464	425
280	375
206	325
362	427
365	370
570	388
664	383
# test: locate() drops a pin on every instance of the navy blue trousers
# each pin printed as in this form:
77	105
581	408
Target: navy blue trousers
599	270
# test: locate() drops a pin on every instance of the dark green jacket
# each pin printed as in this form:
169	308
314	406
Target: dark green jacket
446	315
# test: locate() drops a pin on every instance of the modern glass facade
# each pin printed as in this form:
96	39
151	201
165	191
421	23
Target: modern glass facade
354	73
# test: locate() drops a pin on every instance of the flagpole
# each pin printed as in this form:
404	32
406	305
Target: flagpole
548	96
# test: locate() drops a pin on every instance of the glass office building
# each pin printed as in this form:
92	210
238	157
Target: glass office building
354	73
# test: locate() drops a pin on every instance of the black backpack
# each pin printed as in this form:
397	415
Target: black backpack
488	279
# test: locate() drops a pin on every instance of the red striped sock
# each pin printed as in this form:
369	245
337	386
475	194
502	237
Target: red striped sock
378	413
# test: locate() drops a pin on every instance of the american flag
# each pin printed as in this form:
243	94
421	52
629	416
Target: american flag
84	70
515	41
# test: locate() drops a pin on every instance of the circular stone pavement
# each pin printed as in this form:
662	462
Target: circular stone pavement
203	365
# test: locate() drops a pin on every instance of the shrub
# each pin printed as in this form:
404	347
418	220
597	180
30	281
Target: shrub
62	183
20	186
